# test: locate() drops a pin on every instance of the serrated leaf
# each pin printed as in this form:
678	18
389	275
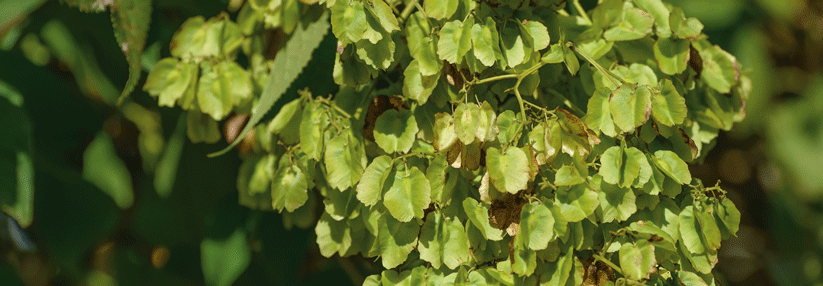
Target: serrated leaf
395	131
443	240
395	240
289	188
629	107
440	9
417	86
486	42
224	260
130	20
345	161
637	260
408	195
466	122
536	223
669	107
509	169
576	203
599	116
455	40
289	63
370	187
104	169
672	55
478	214
568	176
673	166
617	203
313	124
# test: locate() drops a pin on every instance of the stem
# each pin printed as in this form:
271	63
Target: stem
609	263
581	11
494	78
407	11
599	67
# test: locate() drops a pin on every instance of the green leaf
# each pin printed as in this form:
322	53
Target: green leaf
455	40
170	80
636	24
536	223
629	107
554	55
16	166
568	176
672	55
348	21
660	14
443	240
286	124
104	169
673	166
444	133
395	131
608	13
621	166
617	203
313	124
384	14
557	273
525	260
539	34
166	172
515	45
479	216
224	260
440	9
333	236
408	195
426	57
416	86
576	203
691	233
130	20
690	278
254	182
728	217
684	28
669	106
466	122
345	161
599	116
395	240
486	42
289	62
201	128
487	123
637	260
379	55
720	69
508	170
370	187
289	188
341	205
211	96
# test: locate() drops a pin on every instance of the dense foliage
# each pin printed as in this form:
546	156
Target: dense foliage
466	145
469	142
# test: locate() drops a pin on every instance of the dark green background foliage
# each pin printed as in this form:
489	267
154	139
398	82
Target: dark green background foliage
455	141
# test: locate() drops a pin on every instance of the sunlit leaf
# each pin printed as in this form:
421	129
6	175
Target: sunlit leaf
509	169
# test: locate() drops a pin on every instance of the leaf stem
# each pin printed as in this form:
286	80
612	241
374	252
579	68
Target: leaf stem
582	11
596	65
407	11
495	78
609	263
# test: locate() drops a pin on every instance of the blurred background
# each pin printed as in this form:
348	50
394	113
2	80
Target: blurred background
123	191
